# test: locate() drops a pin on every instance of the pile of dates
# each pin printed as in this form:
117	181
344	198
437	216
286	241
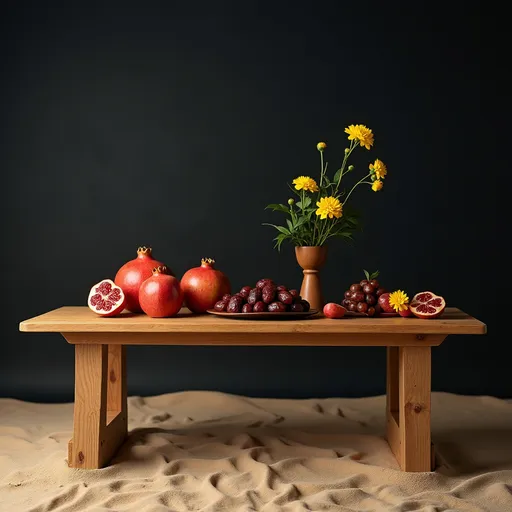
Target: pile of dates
265	296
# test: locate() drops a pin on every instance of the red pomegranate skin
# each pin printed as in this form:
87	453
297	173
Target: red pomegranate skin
203	286
133	273
160	295
384	303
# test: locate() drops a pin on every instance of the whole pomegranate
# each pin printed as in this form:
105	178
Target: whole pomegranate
203	286
133	273
160	295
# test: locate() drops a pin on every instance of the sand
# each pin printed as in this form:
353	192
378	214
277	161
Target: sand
211	451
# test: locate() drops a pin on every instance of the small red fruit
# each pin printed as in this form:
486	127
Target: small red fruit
333	310
384	303
405	313
106	299
161	295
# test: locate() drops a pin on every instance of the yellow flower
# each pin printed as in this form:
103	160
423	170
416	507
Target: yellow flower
321	146
399	301
361	134
305	183
379	168
329	207
377	185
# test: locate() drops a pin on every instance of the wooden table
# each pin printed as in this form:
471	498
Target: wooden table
100	413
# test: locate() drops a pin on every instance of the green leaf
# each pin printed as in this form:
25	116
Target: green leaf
307	202
301	221
278	207
290	225
374	275
351	221
281	229
367	275
279	240
337	176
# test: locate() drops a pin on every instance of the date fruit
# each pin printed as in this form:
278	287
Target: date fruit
247	308
268	293
259	307
235	304
277	307
285	297
254	296
305	304
244	292
297	307
295	294
226	297
220	305
263	282
281	287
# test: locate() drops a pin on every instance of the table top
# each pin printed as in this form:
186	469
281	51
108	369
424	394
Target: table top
80	319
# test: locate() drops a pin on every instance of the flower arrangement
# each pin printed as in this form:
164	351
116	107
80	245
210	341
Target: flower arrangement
322	211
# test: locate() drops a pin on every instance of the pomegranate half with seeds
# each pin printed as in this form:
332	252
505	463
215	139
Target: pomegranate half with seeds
427	305
106	299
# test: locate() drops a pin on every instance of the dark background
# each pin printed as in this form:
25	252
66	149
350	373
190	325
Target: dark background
173	124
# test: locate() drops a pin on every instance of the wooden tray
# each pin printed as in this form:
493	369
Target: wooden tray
266	315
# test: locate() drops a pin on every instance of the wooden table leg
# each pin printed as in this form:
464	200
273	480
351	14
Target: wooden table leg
408	406
100	416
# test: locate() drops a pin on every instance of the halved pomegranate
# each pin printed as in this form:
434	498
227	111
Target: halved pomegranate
106	299
427	305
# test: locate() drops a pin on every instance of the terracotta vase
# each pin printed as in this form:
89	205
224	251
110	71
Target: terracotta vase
311	259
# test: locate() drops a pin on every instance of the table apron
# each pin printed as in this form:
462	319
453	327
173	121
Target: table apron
255	339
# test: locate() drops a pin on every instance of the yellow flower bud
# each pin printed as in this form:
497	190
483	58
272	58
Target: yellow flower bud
351	167
291	201
321	146
347	150
377	185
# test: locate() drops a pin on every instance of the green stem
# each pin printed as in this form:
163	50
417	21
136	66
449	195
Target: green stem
321	167
353	145
352	189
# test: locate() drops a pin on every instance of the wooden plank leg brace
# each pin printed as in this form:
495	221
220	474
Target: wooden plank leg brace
100	417
408	406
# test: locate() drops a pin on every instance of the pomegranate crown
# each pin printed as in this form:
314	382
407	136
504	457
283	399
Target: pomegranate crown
161	269
144	250
207	261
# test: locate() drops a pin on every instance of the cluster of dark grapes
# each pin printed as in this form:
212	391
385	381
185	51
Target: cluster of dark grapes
363	297
265	296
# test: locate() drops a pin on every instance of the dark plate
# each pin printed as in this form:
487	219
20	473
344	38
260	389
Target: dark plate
265	315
